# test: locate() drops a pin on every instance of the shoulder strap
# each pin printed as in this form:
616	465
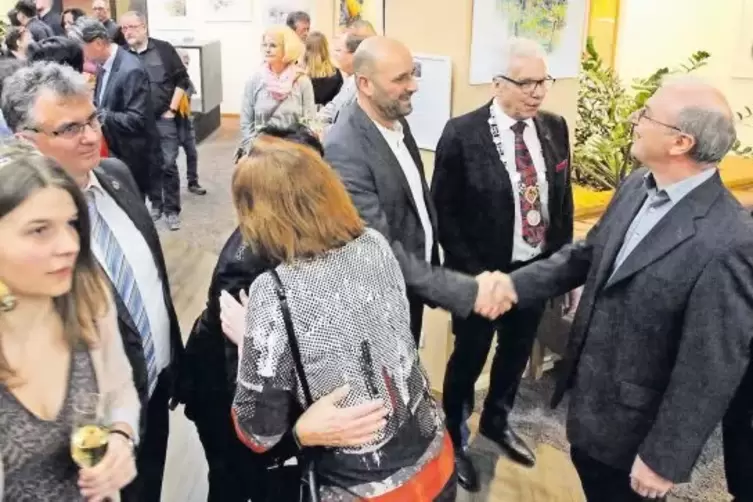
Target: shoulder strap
279	103
292	340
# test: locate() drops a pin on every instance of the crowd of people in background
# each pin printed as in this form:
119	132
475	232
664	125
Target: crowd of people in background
308	346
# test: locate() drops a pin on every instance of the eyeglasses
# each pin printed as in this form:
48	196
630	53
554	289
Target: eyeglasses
530	86
131	27
642	114
73	130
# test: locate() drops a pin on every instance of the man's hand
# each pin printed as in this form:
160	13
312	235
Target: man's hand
646	482
326	424
496	294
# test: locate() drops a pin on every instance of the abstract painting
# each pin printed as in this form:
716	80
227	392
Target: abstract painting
228	10
558	25
276	11
369	10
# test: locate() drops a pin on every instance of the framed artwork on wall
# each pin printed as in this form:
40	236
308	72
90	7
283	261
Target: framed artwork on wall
557	24
170	14
276	11
347	11
228	11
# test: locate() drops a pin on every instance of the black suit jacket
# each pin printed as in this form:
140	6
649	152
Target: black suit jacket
375	180
657	349
129	123
474	197
117	181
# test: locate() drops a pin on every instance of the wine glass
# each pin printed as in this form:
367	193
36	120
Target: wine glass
89	436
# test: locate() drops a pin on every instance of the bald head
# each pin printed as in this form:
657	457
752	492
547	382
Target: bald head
383	69
374	51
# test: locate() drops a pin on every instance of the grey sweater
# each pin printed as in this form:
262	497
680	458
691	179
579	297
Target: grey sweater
258	104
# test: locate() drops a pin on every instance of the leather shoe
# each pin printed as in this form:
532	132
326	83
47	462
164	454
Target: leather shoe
512	444
466	473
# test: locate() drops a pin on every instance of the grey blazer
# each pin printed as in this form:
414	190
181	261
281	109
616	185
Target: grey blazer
372	175
658	349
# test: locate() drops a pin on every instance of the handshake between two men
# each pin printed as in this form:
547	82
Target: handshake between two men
496	295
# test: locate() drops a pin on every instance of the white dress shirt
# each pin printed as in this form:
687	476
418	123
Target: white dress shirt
140	258
521	250
394	138
106	70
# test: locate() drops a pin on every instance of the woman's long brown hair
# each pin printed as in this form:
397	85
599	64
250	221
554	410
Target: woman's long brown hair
23	171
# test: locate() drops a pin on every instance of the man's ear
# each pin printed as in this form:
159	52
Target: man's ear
26	136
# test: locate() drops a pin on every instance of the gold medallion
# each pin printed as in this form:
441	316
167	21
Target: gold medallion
531	194
533	217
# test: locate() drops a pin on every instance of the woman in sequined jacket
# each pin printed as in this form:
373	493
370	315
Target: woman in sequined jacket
349	310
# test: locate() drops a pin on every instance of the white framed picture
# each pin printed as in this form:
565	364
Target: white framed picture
228	11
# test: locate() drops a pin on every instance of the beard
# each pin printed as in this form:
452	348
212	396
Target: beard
393	109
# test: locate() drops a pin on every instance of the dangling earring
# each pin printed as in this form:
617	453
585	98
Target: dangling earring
7	300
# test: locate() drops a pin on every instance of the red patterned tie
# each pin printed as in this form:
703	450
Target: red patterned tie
528	190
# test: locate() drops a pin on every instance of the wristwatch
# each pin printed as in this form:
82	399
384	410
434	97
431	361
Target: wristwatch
128	438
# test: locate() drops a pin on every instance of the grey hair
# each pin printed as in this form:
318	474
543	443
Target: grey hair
713	130
88	29
296	17
137	14
22	89
518	47
353	41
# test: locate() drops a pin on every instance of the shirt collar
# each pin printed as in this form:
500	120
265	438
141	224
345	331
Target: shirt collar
679	189
504	121
107	66
394	134
93	184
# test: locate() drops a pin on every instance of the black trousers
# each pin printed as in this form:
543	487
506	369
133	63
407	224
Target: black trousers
516	332
236	474
164	192
152	450
737	436
601	482
416	317
187	139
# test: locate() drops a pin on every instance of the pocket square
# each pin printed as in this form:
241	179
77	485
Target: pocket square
561	166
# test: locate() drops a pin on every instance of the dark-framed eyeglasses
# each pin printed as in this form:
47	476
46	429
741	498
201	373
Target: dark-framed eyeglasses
74	129
530	86
642	113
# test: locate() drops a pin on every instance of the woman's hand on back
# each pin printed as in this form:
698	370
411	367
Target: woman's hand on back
326	424
233	316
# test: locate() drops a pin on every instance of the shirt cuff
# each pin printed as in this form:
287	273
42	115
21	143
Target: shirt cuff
126	416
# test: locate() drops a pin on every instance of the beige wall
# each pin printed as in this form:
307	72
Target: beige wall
679	27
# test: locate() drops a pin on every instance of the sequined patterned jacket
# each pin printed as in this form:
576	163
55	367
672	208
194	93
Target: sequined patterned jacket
351	317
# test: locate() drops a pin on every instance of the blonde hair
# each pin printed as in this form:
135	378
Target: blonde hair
292	47
317	59
290	203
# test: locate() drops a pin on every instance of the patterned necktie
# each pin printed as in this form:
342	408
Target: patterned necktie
528	190
123	279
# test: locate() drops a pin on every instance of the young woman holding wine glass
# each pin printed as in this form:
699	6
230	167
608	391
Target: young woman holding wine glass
66	389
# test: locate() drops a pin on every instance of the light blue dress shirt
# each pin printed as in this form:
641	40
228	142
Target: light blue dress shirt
106	68
658	203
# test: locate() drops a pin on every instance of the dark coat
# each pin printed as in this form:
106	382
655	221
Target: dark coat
474	198
657	349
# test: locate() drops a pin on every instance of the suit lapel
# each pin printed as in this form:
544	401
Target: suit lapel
623	217
547	150
110	78
384	151
415	153
498	168
677	226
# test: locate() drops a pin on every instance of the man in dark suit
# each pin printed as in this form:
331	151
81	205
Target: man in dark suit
51	106
501	187
122	96
661	338
26	14
101	10
372	149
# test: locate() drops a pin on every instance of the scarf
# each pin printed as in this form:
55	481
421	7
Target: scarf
280	86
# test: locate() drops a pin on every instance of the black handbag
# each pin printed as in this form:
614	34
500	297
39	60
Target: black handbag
309	487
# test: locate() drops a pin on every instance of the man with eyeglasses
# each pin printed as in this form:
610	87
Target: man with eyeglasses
101	10
169	81
50	105
122	95
501	187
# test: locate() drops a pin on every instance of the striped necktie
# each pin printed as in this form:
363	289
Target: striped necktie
122	276
533	225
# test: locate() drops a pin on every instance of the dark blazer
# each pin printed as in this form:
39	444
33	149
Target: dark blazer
117	181
657	349
380	191
129	124
39	30
474	196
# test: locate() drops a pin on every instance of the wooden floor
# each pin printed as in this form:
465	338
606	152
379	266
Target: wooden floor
190	268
